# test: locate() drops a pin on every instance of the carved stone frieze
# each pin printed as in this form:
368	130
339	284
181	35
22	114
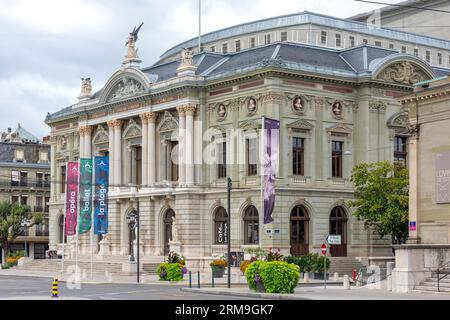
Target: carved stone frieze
403	73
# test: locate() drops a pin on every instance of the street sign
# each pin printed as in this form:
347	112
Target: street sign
324	249
334	239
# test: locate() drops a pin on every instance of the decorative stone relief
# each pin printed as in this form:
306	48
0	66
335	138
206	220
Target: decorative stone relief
249	124
272	97
252	106
168	123
402	72
337	110
133	130
187	57
221	112
414	130
101	136
377	106
126	87
339	129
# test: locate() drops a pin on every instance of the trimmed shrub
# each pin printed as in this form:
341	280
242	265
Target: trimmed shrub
171	271
276	276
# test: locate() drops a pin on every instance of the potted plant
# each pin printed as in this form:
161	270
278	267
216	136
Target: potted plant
218	267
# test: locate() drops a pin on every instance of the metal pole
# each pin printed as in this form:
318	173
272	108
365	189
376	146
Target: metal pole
64	226
325	267
199	26
229	186
198	279
212	278
138	234
190	279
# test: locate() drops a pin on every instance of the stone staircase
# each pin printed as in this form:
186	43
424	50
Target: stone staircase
100	267
431	284
344	265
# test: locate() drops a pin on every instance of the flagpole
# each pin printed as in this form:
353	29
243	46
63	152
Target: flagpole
262	153
199	26
92	219
76	228
64	223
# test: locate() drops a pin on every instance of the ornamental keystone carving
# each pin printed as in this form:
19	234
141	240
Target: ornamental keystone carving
402	72
125	88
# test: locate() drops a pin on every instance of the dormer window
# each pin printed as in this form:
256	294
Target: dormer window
19	155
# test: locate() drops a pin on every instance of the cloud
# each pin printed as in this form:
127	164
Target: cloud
48	45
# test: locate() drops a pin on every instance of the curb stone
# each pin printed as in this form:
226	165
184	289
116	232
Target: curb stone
271	296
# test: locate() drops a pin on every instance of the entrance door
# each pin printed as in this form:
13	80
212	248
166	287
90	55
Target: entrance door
168	220
338	226
299	231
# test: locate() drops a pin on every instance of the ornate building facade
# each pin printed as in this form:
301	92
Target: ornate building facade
176	130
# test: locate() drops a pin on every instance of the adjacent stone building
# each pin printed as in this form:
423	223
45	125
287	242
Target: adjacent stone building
176	130
25	179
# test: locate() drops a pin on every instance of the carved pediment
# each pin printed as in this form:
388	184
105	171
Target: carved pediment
249	124
168	123
126	87
300	125
339	129
101	136
403	72
399	120
133	130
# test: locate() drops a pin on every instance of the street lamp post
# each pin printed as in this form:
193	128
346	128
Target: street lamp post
26	224
133	223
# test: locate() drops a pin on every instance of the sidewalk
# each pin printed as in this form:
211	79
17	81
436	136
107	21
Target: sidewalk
307	292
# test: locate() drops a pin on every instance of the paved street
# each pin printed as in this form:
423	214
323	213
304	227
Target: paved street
12	287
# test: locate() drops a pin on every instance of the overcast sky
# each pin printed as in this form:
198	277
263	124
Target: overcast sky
48	45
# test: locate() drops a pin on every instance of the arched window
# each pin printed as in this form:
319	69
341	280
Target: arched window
299	231
251	226
221	226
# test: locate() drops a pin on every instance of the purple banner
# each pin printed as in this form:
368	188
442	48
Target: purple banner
270	148
73	174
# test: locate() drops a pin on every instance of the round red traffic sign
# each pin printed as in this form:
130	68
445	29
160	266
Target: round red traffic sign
324	249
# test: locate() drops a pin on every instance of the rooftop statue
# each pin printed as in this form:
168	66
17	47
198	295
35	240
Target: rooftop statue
131	43
186	57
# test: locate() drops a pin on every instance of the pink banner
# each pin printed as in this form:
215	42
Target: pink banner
73	174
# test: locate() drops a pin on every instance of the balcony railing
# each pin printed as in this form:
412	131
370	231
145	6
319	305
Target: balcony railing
26	184
41	209
41	231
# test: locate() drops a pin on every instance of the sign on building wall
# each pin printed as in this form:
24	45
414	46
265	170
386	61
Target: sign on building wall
442	175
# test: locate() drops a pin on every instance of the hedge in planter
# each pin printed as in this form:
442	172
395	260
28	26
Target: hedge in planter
277	276
171	271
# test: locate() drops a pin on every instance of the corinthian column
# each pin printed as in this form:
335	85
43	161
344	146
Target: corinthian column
111	151
81	148
118	152
144	148
151	158
87	142
189	143
181	158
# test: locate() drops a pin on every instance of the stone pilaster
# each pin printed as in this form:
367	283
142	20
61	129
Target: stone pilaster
111	151
118	152
81	132
181	146
144	119
53	164
413	158
151	117
189	143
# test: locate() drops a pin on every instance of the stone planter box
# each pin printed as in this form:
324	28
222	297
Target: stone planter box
218	272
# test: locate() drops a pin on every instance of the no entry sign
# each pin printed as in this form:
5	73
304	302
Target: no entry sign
324	249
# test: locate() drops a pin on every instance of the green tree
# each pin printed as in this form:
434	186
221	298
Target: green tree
12	216
381	198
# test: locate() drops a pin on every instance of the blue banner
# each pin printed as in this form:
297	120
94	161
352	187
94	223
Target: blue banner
101	195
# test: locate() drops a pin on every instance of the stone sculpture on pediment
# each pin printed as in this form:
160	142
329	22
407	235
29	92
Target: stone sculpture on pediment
101	136
126	88
168	123
402	72
133	130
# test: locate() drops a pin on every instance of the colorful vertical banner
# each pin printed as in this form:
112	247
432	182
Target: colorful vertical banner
72	180
85	217
271	141
101	168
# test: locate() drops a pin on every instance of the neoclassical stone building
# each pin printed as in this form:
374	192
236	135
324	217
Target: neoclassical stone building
176	130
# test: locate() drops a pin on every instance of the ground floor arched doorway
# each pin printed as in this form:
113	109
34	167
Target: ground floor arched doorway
299	231
338	226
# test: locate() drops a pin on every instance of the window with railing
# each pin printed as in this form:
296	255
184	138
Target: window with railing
42	229
336	159
222	160
298	149
400	151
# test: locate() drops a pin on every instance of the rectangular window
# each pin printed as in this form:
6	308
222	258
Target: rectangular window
336	159
252	42
20	155
416	52
391	46
15	178
352	41
365	41
298	149
400	153
267	38
238	45
43	157
213	49
222	161
283	36
225	48
24	200
14	199
23	179
378	43
323	37
39	205
46	204
251	156
338	40
173	164
47	180
428	56
403	49
439	55
39	180
63	179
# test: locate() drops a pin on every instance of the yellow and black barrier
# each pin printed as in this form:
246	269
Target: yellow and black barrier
55	290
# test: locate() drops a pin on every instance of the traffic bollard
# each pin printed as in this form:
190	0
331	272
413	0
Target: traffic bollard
346	283
55	292
198	279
